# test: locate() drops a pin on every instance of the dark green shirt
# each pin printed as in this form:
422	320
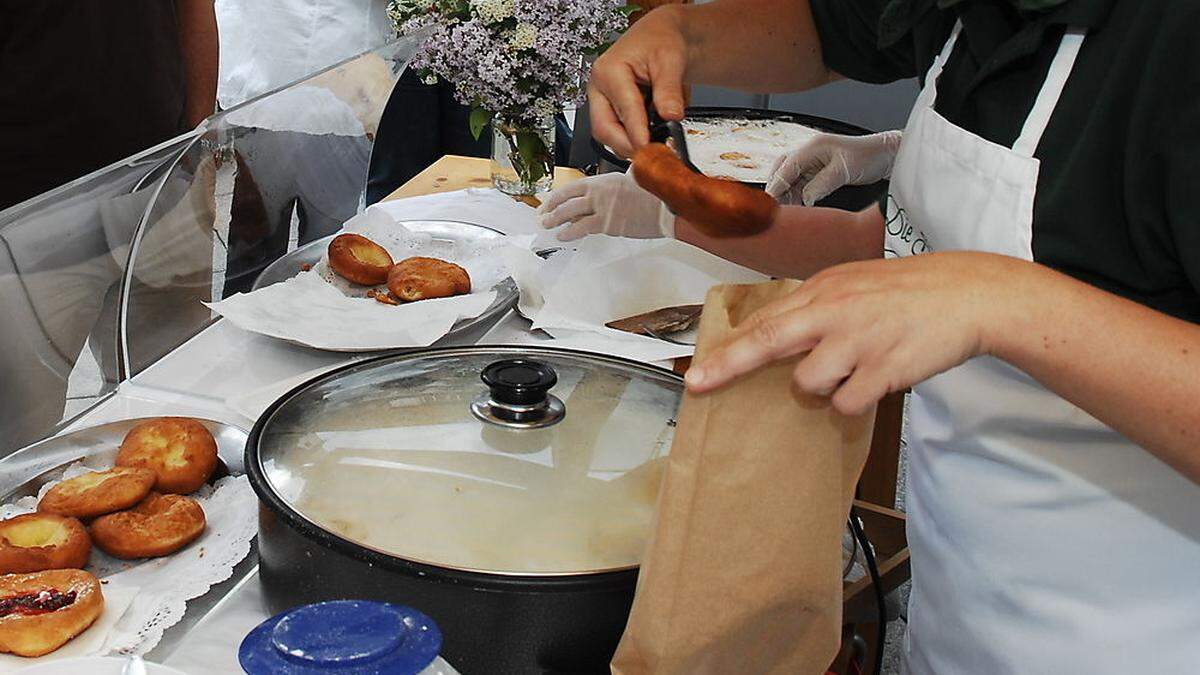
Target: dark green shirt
1118	197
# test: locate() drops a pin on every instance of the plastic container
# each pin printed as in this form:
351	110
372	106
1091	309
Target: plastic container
342	637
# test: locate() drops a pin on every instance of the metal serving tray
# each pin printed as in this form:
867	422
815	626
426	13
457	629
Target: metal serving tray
25	471
449	231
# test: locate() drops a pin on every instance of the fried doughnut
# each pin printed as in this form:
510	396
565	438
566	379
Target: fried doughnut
179	450
43	611
100	492
419	278
720	208
358	259
161	524
36	542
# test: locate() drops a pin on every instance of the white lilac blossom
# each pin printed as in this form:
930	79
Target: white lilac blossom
524	36
518	60
492	11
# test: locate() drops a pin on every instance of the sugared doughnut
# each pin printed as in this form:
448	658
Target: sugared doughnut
42	541
720	208
358	259
43	611
420	278
99	492
161	524
180	452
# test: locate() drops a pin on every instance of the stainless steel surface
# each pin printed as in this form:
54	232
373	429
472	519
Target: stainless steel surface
24	472
552	412
451	231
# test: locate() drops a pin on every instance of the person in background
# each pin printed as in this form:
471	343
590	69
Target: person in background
270	44
85	84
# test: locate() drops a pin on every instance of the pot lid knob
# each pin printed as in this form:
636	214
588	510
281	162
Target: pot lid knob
519	395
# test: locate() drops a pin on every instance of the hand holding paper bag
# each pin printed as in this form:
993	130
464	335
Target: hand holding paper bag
742	573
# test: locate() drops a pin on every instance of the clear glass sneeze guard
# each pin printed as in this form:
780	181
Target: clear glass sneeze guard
101	277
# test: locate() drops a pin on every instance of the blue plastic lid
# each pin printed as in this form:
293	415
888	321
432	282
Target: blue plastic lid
343	636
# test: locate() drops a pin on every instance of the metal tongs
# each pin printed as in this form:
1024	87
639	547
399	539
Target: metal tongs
672	134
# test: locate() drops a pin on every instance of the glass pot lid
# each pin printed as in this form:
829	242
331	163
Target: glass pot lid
521	461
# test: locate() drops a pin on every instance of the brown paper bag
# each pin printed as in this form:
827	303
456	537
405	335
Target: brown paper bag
743	571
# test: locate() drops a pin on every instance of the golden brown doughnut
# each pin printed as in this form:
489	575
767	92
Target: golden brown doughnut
99	492
420	278
161	524
36	542
720	208
358	259
43	611
179	450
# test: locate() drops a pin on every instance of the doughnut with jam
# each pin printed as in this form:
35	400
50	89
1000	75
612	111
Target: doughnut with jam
41	612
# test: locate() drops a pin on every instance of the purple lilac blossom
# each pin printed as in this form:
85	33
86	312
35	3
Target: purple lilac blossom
520	60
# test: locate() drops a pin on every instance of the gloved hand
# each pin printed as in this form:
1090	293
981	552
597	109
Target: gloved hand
813	170
612	204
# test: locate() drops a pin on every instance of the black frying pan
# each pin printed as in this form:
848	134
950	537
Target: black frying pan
850	197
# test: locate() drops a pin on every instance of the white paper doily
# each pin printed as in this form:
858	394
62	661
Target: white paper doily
164	585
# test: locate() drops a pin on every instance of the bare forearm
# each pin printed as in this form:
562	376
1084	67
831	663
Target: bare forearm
199	45
1135	369
802	241
754	45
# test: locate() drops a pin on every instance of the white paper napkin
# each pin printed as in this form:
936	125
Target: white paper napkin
486	207
572	295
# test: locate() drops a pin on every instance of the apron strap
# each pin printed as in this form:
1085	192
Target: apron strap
928	93
1047	99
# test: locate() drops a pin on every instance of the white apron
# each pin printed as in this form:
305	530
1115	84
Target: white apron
1042	540
266	44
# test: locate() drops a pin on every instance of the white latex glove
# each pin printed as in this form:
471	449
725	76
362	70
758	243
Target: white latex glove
824	163
612	204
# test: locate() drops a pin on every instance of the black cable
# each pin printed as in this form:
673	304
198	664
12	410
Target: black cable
877	584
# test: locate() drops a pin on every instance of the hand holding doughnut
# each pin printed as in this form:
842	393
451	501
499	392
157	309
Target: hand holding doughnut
721	208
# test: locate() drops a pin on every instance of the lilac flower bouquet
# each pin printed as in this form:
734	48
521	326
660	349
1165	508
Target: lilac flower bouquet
516	63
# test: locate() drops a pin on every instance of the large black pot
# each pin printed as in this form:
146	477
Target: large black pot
850	197
492	623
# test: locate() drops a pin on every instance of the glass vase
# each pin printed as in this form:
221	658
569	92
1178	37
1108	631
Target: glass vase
523	156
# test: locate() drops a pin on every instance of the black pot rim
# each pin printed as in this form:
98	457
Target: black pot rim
711	111
269	499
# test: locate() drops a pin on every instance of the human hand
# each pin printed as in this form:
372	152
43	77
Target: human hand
814	169
879	326
612	204
652	52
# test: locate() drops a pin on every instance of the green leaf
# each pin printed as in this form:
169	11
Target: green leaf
628	10
534	155
479	119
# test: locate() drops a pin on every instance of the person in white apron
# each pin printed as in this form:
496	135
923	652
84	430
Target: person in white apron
1001	467
1048	536
266	45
